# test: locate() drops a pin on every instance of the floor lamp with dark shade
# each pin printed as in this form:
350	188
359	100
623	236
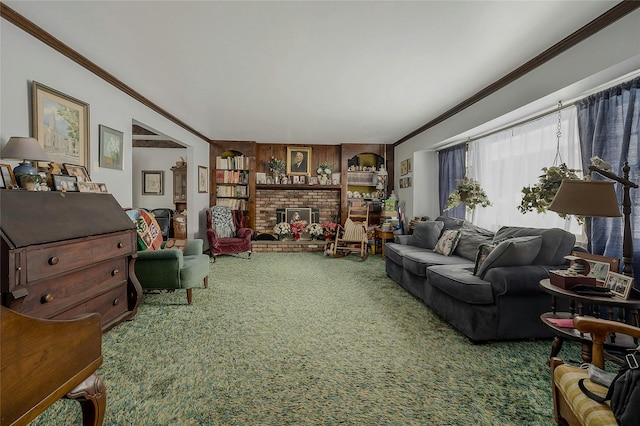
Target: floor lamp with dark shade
590	198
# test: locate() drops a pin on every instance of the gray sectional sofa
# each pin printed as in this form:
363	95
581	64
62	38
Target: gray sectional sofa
488	288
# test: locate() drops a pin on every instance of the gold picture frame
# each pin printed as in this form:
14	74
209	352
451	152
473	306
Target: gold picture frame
7	178
78	171
404	167
61	125
298	168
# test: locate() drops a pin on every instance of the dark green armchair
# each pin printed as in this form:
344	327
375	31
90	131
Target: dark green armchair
171	269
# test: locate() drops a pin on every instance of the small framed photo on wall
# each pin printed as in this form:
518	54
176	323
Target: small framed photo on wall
152	182
203	179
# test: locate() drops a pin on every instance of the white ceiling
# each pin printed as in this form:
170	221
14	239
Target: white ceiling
309	72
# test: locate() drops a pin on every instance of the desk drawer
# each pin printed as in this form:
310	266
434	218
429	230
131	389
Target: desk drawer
111	305
51	259
49	297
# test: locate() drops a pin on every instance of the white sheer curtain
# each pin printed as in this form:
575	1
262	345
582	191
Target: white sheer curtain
509	160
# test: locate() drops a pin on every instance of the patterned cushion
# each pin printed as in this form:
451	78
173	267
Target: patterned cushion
483	252
588	411
149	232
222	221
447	242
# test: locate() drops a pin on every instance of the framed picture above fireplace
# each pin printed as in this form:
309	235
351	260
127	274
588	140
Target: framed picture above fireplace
298	161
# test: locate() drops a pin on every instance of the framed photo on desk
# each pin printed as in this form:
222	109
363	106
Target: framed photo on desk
599	266
619	284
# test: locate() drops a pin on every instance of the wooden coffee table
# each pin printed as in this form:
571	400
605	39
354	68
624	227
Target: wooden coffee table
583	305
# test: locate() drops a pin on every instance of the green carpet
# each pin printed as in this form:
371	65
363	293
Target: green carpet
301	338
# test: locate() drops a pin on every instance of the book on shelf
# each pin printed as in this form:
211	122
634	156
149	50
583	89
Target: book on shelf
233	203
232	176
238	162
231	191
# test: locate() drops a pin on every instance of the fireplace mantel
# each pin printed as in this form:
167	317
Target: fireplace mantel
298	187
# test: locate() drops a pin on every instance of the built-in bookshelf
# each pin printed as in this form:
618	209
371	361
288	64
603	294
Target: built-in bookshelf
232	180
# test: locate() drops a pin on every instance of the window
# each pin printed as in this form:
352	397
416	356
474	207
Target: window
507	161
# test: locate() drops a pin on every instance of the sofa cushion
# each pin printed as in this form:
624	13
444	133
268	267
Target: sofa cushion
447	242
556	243
519	251
426	234
471	238
395	252
450	222
459	282
417	262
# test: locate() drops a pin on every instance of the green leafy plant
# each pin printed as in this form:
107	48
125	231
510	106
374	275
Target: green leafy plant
277	165
538	197
468	192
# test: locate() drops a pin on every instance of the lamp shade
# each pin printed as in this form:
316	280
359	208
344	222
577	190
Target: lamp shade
23	148
586	198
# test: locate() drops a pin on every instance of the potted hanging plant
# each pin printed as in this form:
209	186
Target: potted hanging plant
538	197
468	192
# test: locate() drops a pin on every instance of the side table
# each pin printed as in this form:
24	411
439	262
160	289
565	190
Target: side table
584	305
383	236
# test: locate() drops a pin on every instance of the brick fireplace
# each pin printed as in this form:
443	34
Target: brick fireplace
327	201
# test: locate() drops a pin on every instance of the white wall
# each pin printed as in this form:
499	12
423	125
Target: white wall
25	59
613	52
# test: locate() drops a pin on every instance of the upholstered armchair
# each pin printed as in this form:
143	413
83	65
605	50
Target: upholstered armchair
226	233
571	406
173	269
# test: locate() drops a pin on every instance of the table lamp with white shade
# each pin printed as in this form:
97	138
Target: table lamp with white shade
591	198
25	149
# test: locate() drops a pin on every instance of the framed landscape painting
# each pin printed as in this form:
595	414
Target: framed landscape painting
61	125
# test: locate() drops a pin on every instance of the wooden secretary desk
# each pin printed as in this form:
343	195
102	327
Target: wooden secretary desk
63	255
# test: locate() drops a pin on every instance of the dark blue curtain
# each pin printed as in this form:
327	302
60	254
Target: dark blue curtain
609	128
452	162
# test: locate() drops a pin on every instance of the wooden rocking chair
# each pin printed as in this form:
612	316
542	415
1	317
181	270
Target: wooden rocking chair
353	236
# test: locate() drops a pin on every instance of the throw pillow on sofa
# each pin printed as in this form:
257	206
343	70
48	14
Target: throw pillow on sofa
426	234
447	242
520	251
483	252
471	238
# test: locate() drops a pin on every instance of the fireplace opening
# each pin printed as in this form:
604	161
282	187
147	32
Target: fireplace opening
310	215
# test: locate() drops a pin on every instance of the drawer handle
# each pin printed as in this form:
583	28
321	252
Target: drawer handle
120	244
116	302
54	260
47	298
115	272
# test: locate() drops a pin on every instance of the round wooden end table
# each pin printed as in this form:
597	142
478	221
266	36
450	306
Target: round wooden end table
583	305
